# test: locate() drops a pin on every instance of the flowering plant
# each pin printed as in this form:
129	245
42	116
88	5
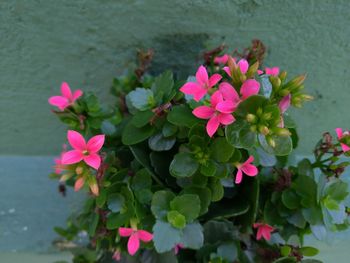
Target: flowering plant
198	170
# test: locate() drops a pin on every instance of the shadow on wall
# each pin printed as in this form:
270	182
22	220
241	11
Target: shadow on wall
177	53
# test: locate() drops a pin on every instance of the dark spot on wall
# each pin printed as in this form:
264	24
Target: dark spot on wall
178	52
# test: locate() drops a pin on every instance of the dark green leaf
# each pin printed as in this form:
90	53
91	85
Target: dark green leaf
221	150
115	202
133	135
187	205
182	116
283	145
228	251
142	118
159	143
161	203
183	165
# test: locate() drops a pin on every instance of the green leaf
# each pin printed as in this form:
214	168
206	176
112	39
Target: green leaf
219	231
169	129
204	195
187	205
337	190
250	105
216	188
192	236
142	118
309	260
232	133
306	187
163	87
115	202
181	115
165	236
290	199
101	198
133	135
151	256
142	99
159	143
115	221
93	224
141	180
209	168
247	138
266	159
285	250
221	150
228	251
309	251
161	203
183	165
176	219
305	167
283	145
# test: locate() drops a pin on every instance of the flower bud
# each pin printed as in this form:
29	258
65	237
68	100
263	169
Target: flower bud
264	130
275	81
306	97
266	116
66	177
259	111
94	189
251	118
253	128
283	76
79	170
271	141
252	69
281	131
283	92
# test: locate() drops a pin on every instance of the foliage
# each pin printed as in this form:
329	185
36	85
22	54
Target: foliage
201	167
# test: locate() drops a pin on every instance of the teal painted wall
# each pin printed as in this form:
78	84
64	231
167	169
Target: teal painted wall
88	42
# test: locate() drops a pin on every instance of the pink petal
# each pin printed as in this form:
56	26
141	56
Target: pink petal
77	94
243	65
226	119
203	112
228	92
59	101
145	236
238	176
272	71
133	244
344	147
214	79
216	98
227	70
76	140
256	225
285	103
259	233
250	87
79	183
221	60
339	132
202	76
194	89
225	107
93	160
95	143
66	92
250	169
212	125
266	234
260	72
71	157
249	160
125	231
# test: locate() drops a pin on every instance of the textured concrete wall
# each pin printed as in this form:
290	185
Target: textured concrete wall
87	42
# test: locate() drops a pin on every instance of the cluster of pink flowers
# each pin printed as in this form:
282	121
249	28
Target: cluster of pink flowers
224	100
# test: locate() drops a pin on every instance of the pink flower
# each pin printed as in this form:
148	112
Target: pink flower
221	60
264	230
242	64
82	150
79	183
67	97
340	135
249	88
178	247
200	88
246	168
117	255
272	71
285	103
134	238
260	72
283	106
218	113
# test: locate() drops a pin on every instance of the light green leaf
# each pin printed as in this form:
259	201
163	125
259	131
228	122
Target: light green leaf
183	165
